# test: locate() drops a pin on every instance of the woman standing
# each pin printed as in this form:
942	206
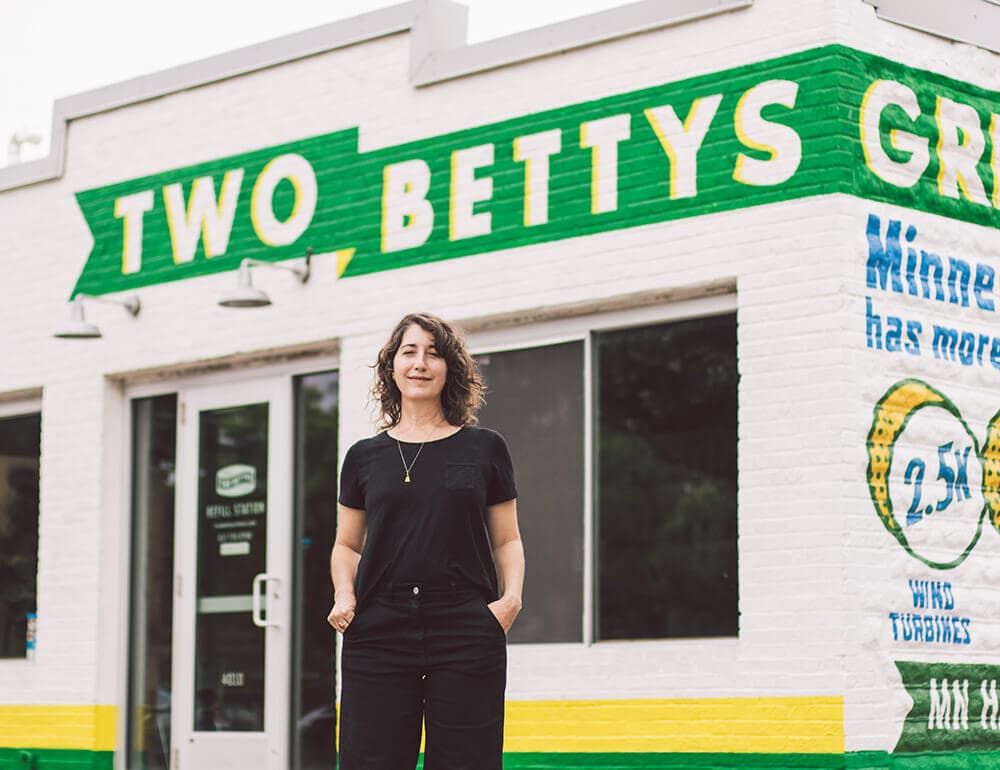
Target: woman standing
427	518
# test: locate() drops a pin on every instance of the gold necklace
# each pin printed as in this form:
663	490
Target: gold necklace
406	468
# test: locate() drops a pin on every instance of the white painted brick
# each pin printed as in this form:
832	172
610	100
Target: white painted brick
818	570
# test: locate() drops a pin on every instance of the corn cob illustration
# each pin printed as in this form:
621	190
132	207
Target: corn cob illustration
991	470
891	415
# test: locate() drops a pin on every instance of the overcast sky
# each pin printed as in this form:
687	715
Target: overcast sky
55	48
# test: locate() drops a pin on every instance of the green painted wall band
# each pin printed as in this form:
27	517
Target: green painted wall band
751	118
55	759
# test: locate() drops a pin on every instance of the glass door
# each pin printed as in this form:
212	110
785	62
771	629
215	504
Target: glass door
233	582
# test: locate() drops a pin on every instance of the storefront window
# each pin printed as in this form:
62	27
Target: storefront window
20	444
154	442
534	398
665	498
663	479
314	667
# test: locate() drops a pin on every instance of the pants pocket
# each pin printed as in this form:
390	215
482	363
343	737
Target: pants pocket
350	626
495	620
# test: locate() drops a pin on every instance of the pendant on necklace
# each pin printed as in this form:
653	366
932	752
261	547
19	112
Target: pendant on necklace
407	477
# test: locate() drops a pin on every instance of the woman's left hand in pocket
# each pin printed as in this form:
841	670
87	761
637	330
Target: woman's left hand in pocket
505	610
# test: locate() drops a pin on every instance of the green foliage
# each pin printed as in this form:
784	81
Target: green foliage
667	480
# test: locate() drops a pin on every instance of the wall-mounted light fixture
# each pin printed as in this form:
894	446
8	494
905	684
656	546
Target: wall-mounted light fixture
77	328
245	295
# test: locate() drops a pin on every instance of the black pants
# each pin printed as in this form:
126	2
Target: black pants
431	656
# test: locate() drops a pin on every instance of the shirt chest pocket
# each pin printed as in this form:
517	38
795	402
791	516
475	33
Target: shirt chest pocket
460	476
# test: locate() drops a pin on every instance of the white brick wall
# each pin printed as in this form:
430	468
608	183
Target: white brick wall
876	568
815	581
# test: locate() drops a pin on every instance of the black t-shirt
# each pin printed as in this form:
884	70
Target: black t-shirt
432	529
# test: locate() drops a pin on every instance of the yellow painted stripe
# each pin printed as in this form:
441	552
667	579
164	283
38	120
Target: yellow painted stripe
344	257
58	727
766	725
714	725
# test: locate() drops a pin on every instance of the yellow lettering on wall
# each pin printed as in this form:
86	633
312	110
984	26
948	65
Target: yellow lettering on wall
880	95
534	151
130	209
995	157
407	215
782	143
603	137
961	144
467	190
268	227
202	217
682	140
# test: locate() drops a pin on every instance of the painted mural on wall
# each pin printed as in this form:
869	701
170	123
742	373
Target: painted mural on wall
933	471
829	120
932	498
826	120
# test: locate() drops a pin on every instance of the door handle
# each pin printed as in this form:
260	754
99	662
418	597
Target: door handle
257	614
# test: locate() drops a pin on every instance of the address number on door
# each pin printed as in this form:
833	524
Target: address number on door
233	679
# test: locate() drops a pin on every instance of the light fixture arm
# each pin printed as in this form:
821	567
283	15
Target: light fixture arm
131	302
78	328
300	271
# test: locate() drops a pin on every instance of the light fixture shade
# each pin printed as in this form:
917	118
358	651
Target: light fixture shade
245	295
77	327
77	330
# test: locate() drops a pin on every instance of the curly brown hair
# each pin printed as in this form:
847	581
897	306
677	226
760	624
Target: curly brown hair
463	392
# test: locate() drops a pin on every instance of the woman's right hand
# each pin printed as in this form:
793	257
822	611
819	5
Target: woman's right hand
342	614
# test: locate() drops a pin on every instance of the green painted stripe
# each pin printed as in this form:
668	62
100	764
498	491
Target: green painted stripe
930	760
349	208
351	213
55	759
868	760
71	759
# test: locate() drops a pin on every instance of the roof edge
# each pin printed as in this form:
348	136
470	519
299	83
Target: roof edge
241	61
603	26
976	22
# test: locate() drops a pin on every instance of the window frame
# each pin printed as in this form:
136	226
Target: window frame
581	328
20	408
23	407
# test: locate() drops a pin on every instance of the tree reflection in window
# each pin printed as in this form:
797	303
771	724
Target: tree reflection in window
666	480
